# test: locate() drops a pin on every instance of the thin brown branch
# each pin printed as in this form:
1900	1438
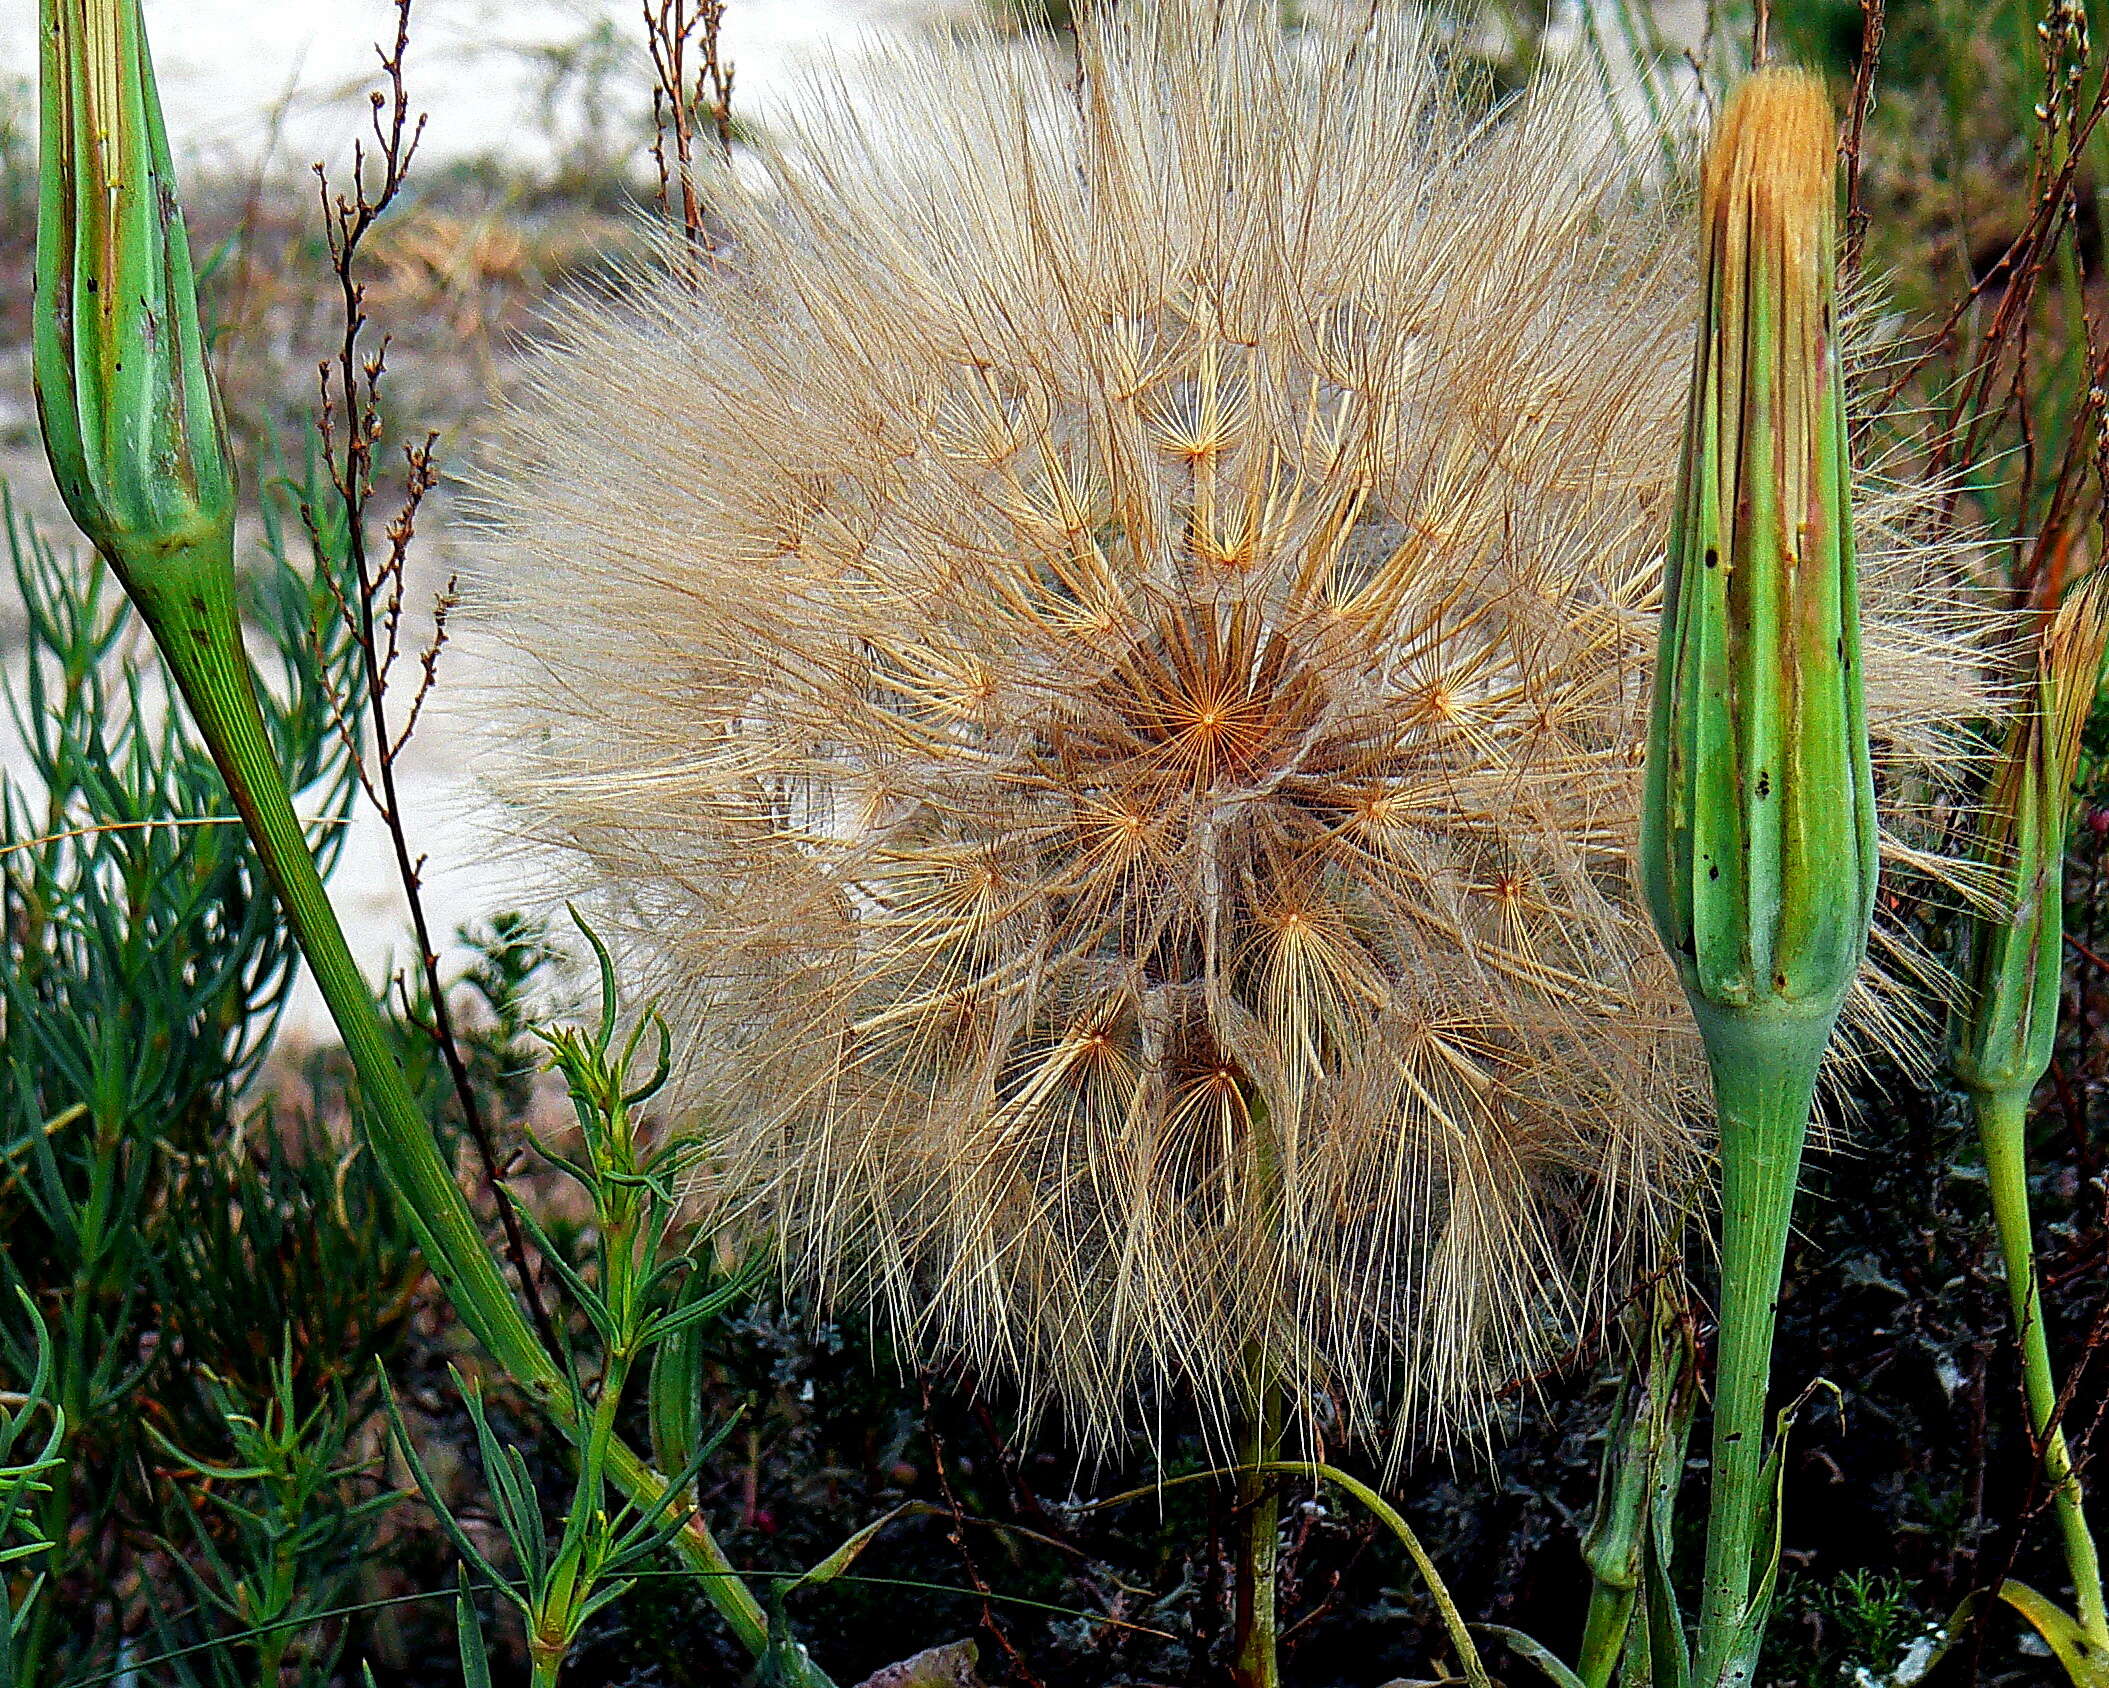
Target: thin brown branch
957	1535
355	408
1874	18
443	604
678	34
1995	387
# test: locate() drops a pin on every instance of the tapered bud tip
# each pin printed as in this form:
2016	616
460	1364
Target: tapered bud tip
2073	647
1772	165
2004	1041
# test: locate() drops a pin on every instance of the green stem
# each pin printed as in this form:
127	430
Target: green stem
1604	1632
1643	1450
2002	1121
1453	1621
1764	1072
190	608
1613	1547
1258	1663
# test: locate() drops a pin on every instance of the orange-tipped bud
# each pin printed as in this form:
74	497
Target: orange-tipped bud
1759	832
2004	1040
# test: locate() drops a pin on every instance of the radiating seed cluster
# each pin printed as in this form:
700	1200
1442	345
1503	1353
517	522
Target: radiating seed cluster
1098	661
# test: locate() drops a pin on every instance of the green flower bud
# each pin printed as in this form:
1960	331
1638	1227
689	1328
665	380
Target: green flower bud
2003	1040
2003	1047
1758	843
1758	827
131	418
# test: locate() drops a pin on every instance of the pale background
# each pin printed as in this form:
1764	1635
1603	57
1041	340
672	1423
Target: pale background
269	87
226	66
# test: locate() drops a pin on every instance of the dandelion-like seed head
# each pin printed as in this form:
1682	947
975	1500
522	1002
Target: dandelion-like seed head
1100	663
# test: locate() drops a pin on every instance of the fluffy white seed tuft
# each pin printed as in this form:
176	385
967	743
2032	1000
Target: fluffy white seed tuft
1099	665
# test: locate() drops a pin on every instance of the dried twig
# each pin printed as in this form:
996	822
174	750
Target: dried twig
679	32
1874	17
958	1537
1972	414
350	423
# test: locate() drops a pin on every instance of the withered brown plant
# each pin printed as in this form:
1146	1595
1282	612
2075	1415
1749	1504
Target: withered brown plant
1098	661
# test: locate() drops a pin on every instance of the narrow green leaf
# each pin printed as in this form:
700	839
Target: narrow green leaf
1534	1653
468	1635
2085	1664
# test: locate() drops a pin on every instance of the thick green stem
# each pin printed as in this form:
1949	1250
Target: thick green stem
1604	1632
1258	1662
1764	1073
2002	1121
191	611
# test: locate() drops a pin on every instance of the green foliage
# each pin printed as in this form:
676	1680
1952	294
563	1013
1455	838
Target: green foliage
32	1430
1859	1629
635	1297
145	972
276	1533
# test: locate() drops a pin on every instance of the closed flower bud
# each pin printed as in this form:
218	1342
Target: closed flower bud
131	419
1759	850
2003	1040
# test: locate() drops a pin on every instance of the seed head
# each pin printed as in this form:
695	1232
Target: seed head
1102	665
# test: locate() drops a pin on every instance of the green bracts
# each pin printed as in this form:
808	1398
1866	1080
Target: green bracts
130	415
1759	833
2004	1041
1758	838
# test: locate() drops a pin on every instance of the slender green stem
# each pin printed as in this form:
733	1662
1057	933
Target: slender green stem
1764	1072
2002	1120
194	621
1258	1663
1468	1660
1389	1516
1604	1631
1615	1541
